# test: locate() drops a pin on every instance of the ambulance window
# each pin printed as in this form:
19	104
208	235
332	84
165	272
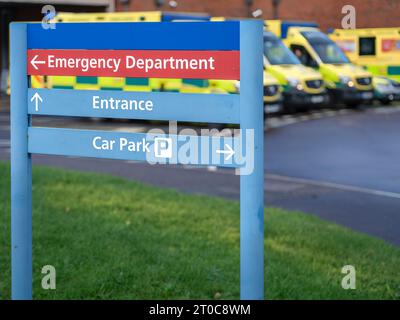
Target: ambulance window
367	46
303	55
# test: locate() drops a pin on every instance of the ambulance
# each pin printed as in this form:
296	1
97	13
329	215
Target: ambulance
272	90
273	98
378	51
346	82
303	87
129	84
386	90
288	86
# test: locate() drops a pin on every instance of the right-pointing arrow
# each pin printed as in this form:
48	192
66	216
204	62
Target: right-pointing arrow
228	153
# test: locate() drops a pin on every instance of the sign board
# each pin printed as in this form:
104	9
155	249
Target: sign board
139	64
200	50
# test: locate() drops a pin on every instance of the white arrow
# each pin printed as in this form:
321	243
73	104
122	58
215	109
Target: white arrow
34	62
228	152
37	98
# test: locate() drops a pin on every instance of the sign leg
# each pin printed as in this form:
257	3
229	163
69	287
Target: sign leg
252	185
21	175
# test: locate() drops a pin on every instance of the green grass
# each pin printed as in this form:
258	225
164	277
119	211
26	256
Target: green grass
109	238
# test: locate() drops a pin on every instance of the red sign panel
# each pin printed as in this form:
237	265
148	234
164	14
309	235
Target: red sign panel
136	63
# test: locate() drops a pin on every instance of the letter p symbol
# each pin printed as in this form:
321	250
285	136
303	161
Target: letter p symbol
163	147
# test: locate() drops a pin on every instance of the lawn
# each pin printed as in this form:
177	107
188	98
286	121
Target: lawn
110	238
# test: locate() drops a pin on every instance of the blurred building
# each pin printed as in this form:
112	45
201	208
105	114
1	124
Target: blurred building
327	13
31	10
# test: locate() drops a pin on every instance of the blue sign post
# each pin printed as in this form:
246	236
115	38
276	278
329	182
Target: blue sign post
209	48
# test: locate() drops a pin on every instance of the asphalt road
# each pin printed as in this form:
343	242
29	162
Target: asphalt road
341	166
361	148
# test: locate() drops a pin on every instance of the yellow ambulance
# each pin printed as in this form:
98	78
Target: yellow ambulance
273	99
346	82
303	87
272	95
272	90
129	84
378	51
288	85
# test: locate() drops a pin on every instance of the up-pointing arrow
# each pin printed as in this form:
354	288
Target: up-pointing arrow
37	98
34	62
228	153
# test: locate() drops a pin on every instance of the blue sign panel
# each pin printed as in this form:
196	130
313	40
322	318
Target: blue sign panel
246	109
217	108
152	148
137	36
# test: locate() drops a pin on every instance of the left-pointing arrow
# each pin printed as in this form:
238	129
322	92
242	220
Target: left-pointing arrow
37	98
34	62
